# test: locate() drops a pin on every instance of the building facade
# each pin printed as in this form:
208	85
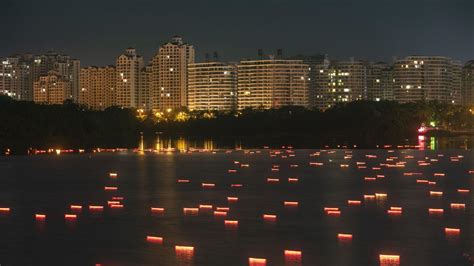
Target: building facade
427	78
51	89
468	83
340	81
97	87
272	83
15	77
144	95
169	75
128	67
212	86
379	82
65	66
313	61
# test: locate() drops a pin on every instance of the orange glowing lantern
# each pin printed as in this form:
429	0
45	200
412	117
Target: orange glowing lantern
293	256
231	224
270	218
345	238
218	214
273	180
458	206
154	239
4	210
96	208
435	212
157	210
232	199
389	260
183	181
40	217
76	208
354	202
191	211
257	262
290	203
113	175
70	217
293	180
208	185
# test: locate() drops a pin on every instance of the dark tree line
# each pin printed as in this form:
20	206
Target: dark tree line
26	125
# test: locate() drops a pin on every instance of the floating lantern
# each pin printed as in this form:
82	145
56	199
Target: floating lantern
269	218
96	208
223	209
183	181
293	180
458	206
345	238
290	203
113	175
76	208
389	260
236	185
293	256
231	224
436	193
191	211
40	217
433	211
208	185
257	262
154	239
460	190
116	206
232	199
273	180
4	210
70	217
110	188
220	214
354	202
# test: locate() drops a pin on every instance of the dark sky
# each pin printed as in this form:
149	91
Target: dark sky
96	31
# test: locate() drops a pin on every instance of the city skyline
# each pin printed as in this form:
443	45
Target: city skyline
369	30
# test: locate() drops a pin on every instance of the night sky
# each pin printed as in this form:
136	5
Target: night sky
97	31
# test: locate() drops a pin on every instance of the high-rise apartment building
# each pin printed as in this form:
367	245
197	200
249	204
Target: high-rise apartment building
128	67
66	67
427	78
169	74
313	61
51	89
468	83
340	81
144	97
212	86
379	82
97	87
272	83
15	77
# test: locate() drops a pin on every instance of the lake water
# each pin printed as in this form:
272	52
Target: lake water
49	184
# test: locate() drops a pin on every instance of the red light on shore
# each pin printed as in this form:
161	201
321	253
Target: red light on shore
208	185
154	239
389	260
40	217
232	199
157	210
354	202
257	262
110	188
290	203
344	237
269	218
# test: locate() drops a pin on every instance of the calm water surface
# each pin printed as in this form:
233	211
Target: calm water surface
49	184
